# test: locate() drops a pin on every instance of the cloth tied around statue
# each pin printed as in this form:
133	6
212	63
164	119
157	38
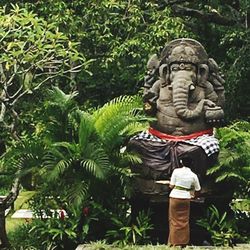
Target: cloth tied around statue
160	156
204	139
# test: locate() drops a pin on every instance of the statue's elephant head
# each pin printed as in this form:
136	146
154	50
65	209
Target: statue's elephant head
183	79
185	72
182	66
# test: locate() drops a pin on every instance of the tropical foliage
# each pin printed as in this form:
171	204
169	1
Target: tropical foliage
80	160
223	230
234	160
127	233
33	53
124	34
117	36
60	62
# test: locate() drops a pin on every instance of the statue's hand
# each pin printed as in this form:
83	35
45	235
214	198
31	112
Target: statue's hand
150	108
214	115
208	104
149	95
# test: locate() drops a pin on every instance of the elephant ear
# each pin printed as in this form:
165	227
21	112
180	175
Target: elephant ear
216	79
164	74
203	72
153	62
152	71
215	76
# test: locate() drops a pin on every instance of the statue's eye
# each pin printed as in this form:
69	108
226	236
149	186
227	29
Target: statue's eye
188	68
175	68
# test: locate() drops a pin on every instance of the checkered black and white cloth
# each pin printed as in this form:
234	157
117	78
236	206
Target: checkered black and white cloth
207	142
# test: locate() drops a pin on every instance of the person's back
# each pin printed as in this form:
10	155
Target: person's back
183	180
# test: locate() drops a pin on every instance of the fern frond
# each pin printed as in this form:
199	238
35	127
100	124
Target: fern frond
230	175
214	169
133	128
118	119
121	107
246	171
130	158
59	98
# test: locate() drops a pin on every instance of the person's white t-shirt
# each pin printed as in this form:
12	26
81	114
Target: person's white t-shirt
185	178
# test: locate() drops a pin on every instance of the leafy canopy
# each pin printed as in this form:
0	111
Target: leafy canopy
32	52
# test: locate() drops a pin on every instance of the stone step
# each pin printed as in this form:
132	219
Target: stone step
29	214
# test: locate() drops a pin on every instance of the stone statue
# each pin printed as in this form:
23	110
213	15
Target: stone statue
189	89
184	90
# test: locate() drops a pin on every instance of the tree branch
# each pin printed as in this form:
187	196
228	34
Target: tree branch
13	193
212	17
3	111
171	2
3	106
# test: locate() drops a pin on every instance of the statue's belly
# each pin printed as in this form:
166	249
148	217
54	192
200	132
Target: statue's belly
168	122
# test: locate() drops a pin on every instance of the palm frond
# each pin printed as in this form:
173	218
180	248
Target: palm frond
74	119
86	130
93	168
53	154
97	161
77	192
122	172
26	155
58	169
70	147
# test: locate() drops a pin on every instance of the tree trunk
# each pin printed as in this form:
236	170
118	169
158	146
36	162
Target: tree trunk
3	234
4	204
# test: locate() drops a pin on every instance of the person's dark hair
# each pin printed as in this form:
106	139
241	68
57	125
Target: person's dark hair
186	161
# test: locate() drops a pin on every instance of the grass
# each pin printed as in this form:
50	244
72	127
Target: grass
102	246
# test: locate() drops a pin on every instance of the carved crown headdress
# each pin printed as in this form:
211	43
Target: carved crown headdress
184	50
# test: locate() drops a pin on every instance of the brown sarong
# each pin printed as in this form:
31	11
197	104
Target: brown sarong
179	232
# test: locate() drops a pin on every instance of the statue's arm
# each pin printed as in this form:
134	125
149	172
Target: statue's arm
150	97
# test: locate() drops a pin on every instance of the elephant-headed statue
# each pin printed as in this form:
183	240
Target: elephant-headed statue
184	90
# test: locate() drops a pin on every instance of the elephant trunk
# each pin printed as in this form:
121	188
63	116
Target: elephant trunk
181	90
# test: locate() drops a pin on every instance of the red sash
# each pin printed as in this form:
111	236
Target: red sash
179	137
